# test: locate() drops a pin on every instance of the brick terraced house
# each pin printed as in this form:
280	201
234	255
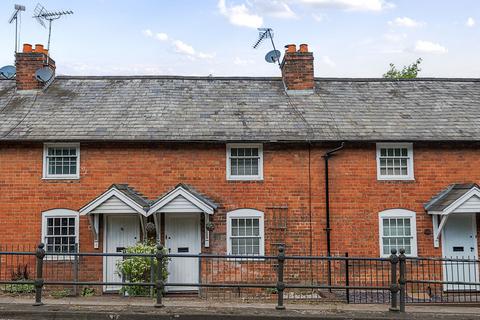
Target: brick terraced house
239	165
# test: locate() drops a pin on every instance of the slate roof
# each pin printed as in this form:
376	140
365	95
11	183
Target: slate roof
133	194
447	196
164	108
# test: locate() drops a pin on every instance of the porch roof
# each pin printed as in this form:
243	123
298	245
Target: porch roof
138	202
202	202
452	197
125	193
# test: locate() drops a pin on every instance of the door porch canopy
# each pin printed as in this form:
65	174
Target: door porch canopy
456	198
124	199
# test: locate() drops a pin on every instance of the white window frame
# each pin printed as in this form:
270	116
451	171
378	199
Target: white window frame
410	171
400	214
60	213
246	213
260	162
60	176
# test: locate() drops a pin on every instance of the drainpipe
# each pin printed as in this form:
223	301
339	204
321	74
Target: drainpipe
327	156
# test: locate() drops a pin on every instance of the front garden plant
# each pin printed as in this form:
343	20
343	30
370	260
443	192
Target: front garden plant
138	269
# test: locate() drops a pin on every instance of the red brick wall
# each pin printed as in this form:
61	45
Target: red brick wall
356	195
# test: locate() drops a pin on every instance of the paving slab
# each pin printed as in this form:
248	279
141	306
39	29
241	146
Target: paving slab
117	307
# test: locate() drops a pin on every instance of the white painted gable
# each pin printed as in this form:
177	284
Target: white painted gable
180	204
470	205
113	205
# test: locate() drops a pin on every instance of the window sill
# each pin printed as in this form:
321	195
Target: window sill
406	179
252	259
245	179
62	178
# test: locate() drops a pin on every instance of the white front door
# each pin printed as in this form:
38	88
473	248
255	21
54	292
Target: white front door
120	232
460	242
182	235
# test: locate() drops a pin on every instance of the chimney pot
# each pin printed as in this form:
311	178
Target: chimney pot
303	47
27	47
39	48
290	48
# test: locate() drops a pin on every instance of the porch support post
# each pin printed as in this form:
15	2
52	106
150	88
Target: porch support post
207	233
94	225
142	226
158	225
442	225
436	233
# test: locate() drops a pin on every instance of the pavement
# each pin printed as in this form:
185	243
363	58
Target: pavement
116	308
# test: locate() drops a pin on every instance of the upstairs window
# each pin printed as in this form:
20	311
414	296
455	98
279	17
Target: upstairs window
244	162
394	161
398	230
61	161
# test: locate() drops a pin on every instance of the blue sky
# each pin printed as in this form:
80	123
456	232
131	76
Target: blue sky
349	38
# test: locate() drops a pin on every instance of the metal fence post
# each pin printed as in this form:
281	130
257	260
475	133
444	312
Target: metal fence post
401	280
75	270
40	254
159	284
152	274
347	277
393	281
280	283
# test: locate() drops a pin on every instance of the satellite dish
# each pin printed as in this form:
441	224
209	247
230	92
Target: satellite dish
44	74
7	72
273	56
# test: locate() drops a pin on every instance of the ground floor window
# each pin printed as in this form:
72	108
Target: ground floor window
398	230
60	230
245	232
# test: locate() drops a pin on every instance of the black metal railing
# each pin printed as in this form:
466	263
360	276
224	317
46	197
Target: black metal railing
396	280
277	277
442	280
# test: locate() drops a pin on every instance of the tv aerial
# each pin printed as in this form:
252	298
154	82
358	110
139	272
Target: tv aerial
15	17
43	16
273	55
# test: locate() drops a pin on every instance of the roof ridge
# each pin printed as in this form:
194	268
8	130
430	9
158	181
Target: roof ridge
261	78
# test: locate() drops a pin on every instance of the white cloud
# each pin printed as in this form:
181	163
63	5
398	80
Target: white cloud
178	45
470	22
406	22
329	62
274	8
319	17
242	62
395	37
182	47
187	50
429	47
161	36
240	15
351	5
147	33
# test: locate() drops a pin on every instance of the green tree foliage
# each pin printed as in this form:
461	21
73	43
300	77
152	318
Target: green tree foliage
138	269
407	72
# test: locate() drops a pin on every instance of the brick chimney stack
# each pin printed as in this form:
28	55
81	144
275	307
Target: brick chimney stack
297	69
28	62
